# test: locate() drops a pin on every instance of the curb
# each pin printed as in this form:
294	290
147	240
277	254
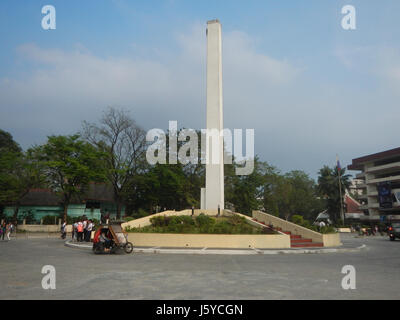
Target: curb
252	251
68	243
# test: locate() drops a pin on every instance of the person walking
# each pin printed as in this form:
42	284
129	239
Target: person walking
85	224
8	231
75	231
80	231
89	230
64	230
3	230
12	228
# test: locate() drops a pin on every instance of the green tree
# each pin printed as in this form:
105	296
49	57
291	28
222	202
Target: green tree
272	180
124	144
19	172
7	143
328	187
8	158
285	196
293	193
245	191
305	196
70	164
24	174
167	183
171	186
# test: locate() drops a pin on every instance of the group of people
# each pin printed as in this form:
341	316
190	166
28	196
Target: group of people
371	231
82	230
6	229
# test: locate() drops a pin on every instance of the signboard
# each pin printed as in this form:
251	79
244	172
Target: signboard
385	195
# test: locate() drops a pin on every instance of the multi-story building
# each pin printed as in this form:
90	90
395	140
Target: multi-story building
380	175
354	190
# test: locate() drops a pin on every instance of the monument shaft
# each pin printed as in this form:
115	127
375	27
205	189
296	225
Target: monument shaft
214	193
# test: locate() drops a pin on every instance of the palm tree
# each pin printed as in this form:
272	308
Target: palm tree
328	187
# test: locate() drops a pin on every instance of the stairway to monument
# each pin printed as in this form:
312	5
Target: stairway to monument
297	241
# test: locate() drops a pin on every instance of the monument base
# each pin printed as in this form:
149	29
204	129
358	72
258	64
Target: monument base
203	198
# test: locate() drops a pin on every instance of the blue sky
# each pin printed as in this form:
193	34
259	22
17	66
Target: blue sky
310	89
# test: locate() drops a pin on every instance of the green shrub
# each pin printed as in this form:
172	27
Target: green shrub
222	227
297	219
266	230
140	214
306	224
203	220
236	220
128	218
327	229
187	220
246	229
201	224
159	221
180	224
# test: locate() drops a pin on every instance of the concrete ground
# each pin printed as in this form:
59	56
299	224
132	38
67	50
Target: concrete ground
82	275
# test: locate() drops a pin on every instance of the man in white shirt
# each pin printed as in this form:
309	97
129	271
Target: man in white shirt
89	229
85	223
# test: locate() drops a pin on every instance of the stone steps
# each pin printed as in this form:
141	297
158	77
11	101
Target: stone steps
297	241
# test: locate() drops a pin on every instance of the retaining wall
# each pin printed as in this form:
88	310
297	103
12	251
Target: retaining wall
329	240
209	240
264	241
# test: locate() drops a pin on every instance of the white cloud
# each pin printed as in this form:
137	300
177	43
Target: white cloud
382	63
299	123
243	61
63	87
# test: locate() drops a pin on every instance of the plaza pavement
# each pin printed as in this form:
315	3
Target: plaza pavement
82	275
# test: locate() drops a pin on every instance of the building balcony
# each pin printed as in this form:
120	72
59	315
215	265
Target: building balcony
360	175
395	166
373	205
391	178
396	206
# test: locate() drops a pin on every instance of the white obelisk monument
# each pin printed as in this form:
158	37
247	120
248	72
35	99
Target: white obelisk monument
213	195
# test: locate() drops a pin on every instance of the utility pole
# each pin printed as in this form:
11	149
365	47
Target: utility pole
340	188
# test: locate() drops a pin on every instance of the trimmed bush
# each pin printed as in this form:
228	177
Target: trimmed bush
297	219
327	229
201	224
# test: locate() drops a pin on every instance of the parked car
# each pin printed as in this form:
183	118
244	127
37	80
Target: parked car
394	231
